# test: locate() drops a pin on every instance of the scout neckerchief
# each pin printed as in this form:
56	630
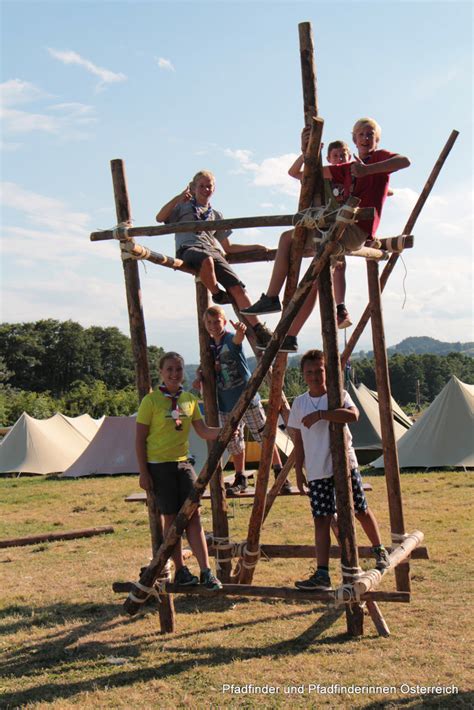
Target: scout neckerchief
178	424
216	351
199	213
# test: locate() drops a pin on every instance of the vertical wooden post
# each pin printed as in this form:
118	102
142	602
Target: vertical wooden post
389	444
220	523
312	182
142	369
340	463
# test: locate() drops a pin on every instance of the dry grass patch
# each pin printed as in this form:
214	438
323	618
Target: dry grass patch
65	643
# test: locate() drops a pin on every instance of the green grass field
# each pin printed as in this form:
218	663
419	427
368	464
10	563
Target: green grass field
65	642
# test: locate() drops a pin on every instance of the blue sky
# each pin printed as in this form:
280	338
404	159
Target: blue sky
174	87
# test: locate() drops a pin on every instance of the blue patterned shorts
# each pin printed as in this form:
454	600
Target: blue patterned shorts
323	496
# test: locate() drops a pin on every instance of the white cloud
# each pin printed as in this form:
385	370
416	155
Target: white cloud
106	76
22	122
70	122
16	91
164	63
271	172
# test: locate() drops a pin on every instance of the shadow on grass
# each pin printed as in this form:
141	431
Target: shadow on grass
414	702
57	652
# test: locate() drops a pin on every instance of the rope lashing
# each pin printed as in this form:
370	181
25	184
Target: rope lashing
158	589
351	573
120	231
345	593
346	214
126	251
236	549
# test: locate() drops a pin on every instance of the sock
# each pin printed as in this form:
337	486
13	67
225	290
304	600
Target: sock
322	568
276	469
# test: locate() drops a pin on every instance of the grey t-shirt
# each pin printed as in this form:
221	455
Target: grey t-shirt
183	212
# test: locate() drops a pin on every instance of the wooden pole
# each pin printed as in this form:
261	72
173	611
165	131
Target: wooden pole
308	552
247	590
220	523
370	579
309	184
339	454
53	537
389	443
148	576
140	354
359	329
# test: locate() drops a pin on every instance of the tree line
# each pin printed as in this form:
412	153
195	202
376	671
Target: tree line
49	366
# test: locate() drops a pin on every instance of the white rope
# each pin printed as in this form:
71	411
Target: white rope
351	211
397	538
345	593
351	573
120	232
155	591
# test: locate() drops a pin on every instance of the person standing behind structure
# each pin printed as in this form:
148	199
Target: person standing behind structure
309	419
204	250
232	375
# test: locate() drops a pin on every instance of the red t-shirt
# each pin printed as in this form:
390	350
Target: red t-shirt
370	189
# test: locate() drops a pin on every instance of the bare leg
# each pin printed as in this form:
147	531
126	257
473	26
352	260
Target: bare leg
239	461
207	275
370	526
280	265
339	281
177	554
197	540
322	527
305	311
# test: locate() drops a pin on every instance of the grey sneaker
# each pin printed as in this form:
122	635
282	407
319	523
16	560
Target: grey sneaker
318	582
382	560
209	581
265	304
221	298
185	578
263	336
289	344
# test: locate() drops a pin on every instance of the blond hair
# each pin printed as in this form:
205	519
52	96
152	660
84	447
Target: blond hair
214	311
367	122
200	174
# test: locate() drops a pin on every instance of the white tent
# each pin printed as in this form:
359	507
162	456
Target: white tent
112	451
366	432
45	446
398	413
443	435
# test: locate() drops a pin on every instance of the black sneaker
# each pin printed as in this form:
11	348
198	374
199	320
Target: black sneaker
263	336
238	486
222	298
382	559
185	578
209	581
318	582
285	490
289	344
265	304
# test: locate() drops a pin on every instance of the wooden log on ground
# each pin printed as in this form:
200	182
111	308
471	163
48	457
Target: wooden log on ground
140	355
359	329
389	443
370	580
54	536
247	590
274	552
220	523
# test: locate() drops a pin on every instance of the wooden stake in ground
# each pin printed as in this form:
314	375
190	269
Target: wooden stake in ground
140	354
53	537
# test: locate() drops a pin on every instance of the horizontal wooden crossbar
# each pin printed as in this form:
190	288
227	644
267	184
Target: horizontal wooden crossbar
308	552
249	590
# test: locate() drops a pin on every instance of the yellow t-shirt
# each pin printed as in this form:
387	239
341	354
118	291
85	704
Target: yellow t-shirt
164	442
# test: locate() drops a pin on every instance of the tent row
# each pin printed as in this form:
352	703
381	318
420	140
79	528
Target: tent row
82	446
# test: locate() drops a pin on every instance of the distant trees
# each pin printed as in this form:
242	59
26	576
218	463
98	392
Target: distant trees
50	365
